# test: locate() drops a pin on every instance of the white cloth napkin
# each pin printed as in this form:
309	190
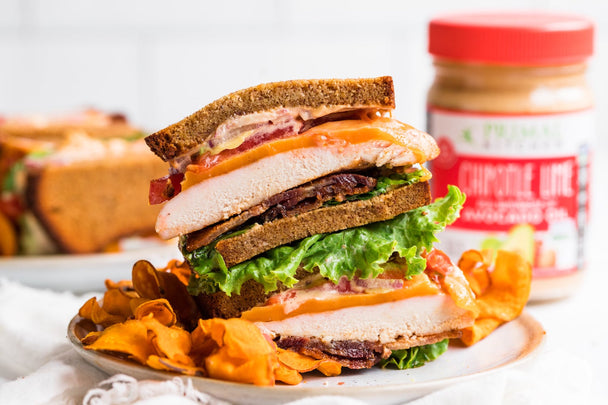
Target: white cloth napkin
33	326
39	366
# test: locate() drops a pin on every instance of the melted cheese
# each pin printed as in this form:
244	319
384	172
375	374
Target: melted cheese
454	285
335	134
417	286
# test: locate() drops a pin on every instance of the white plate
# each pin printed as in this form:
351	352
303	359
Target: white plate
507	346
82	273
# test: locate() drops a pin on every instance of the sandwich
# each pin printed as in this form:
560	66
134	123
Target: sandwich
304	207
74	184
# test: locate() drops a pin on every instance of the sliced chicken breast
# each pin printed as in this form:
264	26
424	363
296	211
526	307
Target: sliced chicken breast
221	197
397	325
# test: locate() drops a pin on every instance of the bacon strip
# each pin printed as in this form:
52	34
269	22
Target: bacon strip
353	354
288	203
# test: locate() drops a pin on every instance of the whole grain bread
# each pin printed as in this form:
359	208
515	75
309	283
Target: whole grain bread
261	238
190	132
88	205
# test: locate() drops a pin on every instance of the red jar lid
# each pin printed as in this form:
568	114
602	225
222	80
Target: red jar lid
512	38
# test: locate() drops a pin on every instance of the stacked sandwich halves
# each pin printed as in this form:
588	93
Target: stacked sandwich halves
304	207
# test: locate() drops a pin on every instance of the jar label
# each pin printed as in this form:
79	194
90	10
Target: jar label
526	178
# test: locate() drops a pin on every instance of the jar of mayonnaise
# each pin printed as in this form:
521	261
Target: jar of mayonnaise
511	110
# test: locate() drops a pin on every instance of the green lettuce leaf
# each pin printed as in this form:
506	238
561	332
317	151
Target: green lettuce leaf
278	264
363	251
10	183
415	356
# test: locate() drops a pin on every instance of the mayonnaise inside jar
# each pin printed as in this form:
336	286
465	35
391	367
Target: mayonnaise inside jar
511	110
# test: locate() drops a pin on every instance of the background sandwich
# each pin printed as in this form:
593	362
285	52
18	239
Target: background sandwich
73	184
304	207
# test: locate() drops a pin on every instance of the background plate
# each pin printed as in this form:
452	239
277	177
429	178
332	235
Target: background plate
507	346
82	273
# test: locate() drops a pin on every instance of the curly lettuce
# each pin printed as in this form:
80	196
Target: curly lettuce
415	356
363	251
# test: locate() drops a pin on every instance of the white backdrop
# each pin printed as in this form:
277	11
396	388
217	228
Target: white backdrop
159	61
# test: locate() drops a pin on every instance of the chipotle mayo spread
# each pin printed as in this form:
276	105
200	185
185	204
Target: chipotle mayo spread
512	113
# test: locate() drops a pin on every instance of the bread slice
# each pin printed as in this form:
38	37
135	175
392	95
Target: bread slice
186	134
261	238
85	206
220	305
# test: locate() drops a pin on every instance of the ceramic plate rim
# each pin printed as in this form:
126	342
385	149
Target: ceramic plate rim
81	272
536	341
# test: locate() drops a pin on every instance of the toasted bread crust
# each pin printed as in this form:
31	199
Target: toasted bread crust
84	207
261	238
220	305
186	134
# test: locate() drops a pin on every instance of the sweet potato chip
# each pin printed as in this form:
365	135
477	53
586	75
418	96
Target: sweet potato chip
475	264
181	301
304	364
83	327
119	285
90	338
92	311
154	284
238	351
171	342
86	310
160	309
202	346
130	338
161	363
298	361
330	368
145	280
287	375
116	302
505	297
135	302
241	337
482	328
257	369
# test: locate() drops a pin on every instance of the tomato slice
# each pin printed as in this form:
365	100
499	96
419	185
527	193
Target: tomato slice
329	134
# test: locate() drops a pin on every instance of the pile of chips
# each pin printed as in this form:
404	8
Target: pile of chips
501	291
154	321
